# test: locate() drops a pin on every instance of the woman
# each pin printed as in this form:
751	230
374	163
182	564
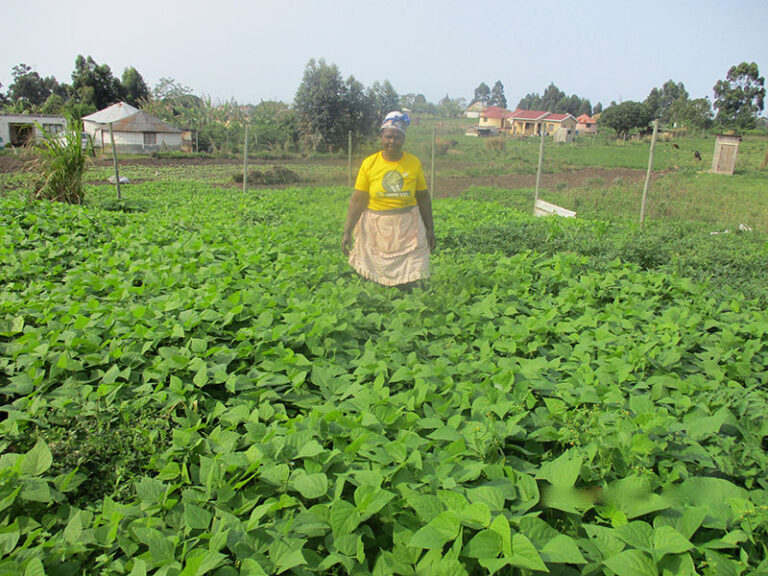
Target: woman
390	213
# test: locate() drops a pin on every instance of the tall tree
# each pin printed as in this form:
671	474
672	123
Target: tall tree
661	101
29	90
134	88
497	97
327	107
555	100
384	98
482	93
94	83
740	97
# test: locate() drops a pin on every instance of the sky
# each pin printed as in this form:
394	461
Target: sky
254	50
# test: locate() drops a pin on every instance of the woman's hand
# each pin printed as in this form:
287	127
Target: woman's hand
431	241
347	243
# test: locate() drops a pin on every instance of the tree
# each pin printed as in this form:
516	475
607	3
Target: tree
94	84
740	97
29	90
482	93
551	98
627	116
169	88
384	98
661	101
557	101
497	97
693	113
134	88
451	107
328	107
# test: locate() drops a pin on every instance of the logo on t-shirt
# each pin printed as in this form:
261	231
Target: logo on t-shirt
392	184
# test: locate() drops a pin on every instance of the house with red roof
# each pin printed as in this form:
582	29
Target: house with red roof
493	119
585	124
527	122
555	122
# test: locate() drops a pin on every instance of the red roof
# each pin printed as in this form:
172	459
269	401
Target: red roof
558	117
529	114
496	112
585	119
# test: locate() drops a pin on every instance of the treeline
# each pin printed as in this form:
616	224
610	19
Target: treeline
326	107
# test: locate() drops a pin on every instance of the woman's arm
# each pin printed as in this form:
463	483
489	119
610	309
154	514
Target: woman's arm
425	209
357	203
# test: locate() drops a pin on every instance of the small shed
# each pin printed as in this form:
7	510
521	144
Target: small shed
726	150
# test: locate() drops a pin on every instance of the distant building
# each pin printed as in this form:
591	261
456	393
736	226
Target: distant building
493	119
527	122
27	129
475	110
585	124
135	131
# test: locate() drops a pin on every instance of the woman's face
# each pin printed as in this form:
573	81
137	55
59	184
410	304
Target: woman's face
392	141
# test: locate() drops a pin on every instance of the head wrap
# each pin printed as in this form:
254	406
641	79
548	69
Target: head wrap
397	120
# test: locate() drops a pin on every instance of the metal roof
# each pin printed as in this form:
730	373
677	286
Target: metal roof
143	122
111	113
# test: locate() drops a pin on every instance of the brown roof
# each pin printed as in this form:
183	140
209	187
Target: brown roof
143	122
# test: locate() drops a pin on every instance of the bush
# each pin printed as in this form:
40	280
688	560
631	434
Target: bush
270	176
495	144
62	165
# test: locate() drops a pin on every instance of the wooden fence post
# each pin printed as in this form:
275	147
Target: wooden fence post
245	161
114	160
648	172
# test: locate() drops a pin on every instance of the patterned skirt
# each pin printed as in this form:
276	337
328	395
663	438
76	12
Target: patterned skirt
391	246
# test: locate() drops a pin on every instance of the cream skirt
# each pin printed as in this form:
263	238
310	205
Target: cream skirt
391	246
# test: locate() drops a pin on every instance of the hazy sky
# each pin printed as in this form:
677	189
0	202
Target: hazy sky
257	50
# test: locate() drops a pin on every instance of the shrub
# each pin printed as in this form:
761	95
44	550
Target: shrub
272	175
495	144
61	165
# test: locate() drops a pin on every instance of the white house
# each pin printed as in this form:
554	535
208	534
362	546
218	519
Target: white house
475	110
23	129
141	133
136	132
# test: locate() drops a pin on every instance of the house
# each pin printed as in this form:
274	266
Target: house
24	129
555	122
135	131
492	120
526	122
475	110
142	133
585	124
94	123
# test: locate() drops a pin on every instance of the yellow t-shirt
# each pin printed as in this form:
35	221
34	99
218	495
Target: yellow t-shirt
391	185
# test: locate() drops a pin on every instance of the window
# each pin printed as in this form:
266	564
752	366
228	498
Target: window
53	128
150	138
